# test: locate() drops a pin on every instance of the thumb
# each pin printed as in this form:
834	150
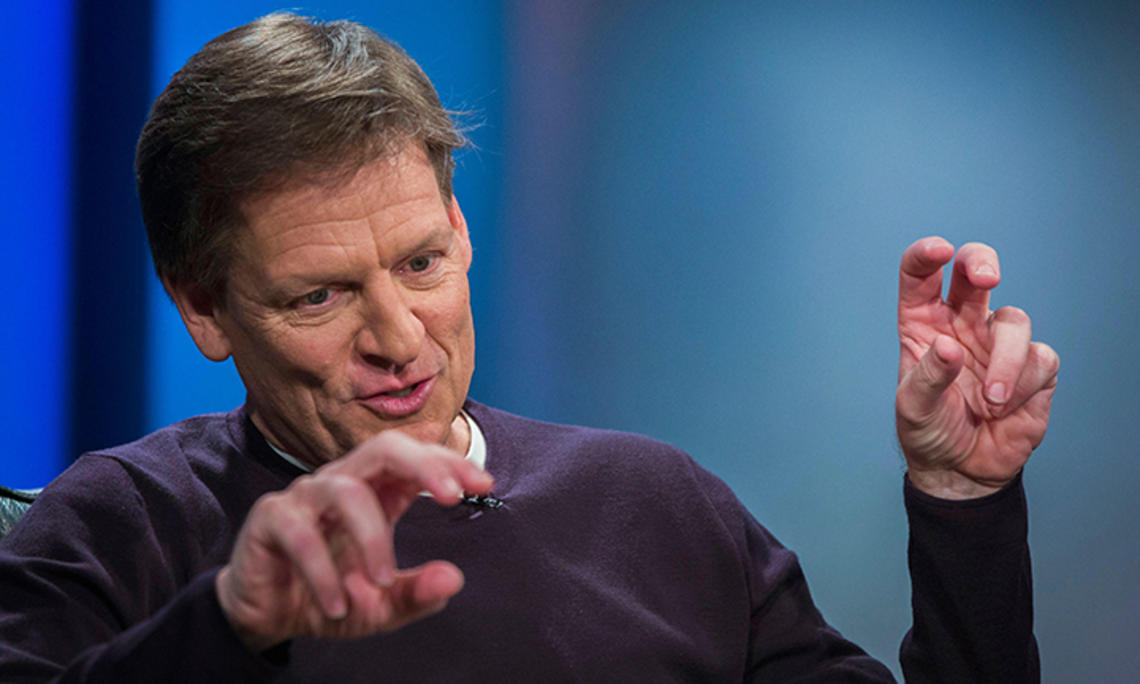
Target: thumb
920	391
424	590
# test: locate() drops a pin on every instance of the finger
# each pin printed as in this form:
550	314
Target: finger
920	391
920	272
471	479
425	590
1040	375
976	272
1010	333
394	455
1038	407
292	530
415	594
351	505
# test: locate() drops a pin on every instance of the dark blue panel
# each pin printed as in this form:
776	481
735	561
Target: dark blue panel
33	190
109	246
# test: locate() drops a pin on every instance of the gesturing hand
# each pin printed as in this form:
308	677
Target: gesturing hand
316	559
974	391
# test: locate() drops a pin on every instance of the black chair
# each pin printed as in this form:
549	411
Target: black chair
13	503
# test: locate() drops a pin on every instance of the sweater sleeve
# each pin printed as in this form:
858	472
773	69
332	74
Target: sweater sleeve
189	640
789	639
972	601
91	594
971	590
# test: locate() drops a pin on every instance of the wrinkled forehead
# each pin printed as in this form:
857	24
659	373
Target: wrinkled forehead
327	187
388	193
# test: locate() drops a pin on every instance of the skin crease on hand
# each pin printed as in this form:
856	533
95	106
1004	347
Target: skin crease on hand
974	390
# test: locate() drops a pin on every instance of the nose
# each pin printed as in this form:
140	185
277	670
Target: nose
392	334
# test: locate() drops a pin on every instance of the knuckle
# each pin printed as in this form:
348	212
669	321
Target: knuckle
389	439
900	402
917	381
290	532
385	447
443	455
1048	358
1011	314
432	470
349	491
970	248
917	251
303	486
1006	372
928	375
269	506
304	541
906	413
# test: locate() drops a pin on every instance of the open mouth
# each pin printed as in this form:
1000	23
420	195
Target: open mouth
401	393
401	402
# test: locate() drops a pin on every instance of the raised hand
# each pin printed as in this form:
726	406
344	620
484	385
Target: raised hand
317	559
974	391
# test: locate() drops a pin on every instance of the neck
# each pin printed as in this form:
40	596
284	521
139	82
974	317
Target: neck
459	437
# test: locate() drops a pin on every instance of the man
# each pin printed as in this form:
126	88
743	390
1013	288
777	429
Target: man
295	181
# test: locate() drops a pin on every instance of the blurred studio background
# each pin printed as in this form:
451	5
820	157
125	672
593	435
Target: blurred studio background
687	219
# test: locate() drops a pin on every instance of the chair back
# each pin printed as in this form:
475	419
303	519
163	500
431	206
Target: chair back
13	503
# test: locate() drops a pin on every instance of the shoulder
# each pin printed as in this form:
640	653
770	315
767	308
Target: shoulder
208	453
169	454
190	481
626	486
200	442
541	443
627	466
122	529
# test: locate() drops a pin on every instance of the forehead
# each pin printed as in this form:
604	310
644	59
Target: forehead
387	194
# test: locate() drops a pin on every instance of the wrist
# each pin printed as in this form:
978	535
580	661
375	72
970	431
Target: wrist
950	484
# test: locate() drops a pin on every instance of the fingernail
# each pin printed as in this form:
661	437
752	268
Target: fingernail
996	393
985	270
385	577
338	610
452	487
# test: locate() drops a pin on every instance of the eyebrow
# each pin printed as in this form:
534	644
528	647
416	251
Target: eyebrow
287	287
440	233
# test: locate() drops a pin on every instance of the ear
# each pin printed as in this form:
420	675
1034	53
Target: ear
201	314
455	216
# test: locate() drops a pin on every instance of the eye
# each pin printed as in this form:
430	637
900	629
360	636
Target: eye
420	263
316	297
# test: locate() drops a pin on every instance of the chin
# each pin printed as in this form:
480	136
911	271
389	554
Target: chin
421	430
425	432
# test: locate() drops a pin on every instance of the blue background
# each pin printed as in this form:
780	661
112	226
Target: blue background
687	220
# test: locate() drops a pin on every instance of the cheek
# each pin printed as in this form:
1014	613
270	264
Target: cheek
463	343
446	315
313	356
456	327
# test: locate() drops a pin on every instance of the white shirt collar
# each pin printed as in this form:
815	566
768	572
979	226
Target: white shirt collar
477	450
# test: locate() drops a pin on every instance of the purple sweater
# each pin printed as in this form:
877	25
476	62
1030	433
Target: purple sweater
614	558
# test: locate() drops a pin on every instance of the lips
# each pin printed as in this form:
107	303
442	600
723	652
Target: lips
400	394
400	401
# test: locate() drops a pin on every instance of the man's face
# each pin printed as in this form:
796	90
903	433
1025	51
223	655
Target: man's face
347	311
